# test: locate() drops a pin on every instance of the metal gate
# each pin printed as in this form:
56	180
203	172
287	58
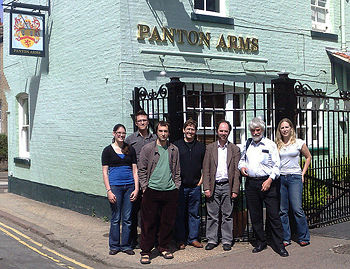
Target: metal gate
322	121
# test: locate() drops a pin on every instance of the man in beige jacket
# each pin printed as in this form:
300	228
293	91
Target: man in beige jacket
221	186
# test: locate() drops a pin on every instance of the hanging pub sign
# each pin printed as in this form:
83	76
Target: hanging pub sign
27	33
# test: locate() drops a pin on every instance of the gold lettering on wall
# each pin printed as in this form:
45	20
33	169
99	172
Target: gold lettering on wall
196	38
221	42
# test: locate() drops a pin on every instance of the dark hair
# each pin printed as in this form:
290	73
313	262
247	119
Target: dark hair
125	147
163	123
141	113
190	121
224	121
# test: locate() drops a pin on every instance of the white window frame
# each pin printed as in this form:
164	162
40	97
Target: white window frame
316	25
221	13
23	125
229	105
316	106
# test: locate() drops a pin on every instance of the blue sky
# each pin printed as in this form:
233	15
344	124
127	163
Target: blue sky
1	11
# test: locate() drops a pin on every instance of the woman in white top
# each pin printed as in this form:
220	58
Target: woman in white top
292	179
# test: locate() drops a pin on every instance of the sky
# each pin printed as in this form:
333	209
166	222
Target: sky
1	11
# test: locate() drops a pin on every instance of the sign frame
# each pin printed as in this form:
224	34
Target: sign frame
40	52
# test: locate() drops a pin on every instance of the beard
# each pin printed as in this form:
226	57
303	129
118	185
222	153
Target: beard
257	138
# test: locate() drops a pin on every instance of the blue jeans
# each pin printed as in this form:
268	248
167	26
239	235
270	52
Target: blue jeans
121	210
291	194
187	218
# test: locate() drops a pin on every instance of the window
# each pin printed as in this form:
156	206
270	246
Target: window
310	121
210	7
209	103
23	126
320	15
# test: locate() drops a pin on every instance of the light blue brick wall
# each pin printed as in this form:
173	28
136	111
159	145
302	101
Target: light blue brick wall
74	108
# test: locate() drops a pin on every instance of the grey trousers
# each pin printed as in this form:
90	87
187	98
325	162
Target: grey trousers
220	201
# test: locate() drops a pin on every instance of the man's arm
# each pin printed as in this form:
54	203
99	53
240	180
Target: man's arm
177	169
206	173
236	175
142	168
275	170
242	164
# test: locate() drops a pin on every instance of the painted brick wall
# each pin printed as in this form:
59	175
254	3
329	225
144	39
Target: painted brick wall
74	106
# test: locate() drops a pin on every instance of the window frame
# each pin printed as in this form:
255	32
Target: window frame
221	13
320	26
23	125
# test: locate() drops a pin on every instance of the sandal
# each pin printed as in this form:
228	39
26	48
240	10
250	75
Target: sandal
145	259
167	255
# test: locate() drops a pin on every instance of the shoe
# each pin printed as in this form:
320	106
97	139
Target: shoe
259	248
181	246
196	244
286	243
129	252
210	246
113	252
304	243
145	259
226	247
167	255
283	252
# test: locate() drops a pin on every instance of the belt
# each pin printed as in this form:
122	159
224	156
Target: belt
258	178
221	182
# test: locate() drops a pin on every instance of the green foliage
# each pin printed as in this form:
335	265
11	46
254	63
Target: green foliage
340	169
315	195
105	219
3	147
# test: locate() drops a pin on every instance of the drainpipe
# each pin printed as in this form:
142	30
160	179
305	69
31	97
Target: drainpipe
342	25
343	41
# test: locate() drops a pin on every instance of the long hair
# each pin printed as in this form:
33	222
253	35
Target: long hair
278	139
125	146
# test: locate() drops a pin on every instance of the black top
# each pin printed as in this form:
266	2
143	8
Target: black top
110	158
191	161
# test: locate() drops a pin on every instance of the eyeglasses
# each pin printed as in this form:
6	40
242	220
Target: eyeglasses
120	133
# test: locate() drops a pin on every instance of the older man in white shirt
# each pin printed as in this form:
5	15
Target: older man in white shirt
260	163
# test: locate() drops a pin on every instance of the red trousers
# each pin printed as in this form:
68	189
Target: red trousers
158	210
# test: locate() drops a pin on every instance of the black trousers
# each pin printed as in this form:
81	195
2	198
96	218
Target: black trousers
255	200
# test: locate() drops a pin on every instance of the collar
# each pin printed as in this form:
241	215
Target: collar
219	146
139	134
262	141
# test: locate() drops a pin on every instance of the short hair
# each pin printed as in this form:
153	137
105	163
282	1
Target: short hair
256	123
190	121
141	113
224	121
163	123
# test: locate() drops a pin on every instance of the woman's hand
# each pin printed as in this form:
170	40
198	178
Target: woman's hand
133	195
111	197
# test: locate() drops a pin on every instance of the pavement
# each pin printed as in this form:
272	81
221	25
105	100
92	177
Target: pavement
88	236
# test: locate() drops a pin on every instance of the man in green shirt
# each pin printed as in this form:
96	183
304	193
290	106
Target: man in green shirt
159	177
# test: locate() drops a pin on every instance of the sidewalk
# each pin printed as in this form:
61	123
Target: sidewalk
89	236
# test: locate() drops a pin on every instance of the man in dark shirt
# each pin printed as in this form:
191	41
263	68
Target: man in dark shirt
137	140
191	158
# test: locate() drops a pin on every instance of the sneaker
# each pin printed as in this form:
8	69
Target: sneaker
286	243
129	252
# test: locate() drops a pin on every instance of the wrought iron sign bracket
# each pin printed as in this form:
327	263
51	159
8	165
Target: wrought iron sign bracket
15	5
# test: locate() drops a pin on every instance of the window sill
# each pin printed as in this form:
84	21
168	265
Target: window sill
22	161
211	18
325	36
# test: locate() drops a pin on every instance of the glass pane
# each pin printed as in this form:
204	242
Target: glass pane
301	133
192	115
199	4
213	5
25	112
312	2
206	120
219	116
322	3
213	100
192	99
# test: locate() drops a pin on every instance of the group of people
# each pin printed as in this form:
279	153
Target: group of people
163	180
